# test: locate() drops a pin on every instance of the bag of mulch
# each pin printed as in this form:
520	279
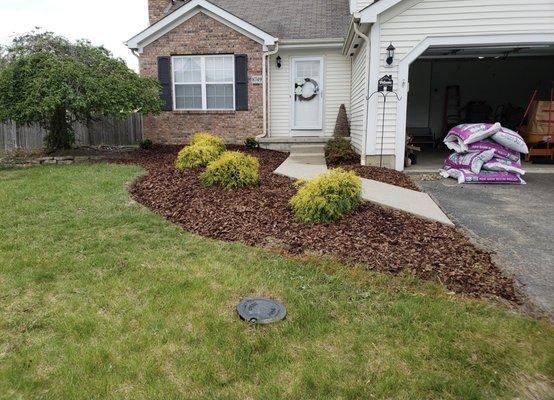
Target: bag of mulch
511	140
466	176
462	135
471	161
499	150
502	164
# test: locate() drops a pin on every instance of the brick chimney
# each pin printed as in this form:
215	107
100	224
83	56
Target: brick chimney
156	9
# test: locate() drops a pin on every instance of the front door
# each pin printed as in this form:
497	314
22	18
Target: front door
307	95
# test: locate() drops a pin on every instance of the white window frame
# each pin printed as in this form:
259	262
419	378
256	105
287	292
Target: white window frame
203	83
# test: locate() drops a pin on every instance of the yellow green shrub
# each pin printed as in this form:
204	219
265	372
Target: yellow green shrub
232	169
207	139
327	197
198	155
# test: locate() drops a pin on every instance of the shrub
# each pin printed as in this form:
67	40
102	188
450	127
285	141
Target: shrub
339	150
327	197
251	143
146	144
198	155
232	169
207	139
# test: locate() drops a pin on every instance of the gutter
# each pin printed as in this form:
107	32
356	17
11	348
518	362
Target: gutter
265	88
365	38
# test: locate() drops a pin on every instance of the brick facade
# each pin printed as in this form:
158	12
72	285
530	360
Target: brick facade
202	34
156	9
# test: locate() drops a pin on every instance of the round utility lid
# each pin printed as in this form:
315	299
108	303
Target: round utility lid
261	310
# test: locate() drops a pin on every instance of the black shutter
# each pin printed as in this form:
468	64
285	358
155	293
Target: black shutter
241	82
164	76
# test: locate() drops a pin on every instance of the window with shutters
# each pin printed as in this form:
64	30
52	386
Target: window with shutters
204	82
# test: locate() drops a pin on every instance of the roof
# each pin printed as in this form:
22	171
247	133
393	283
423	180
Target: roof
289	19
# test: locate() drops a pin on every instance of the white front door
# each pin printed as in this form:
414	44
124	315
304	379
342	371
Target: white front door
307	95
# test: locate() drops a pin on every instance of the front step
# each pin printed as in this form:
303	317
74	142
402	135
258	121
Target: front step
313	159
307	148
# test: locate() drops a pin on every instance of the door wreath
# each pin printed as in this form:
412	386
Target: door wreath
299	89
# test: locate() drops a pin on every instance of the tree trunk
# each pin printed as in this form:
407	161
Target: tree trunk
60	132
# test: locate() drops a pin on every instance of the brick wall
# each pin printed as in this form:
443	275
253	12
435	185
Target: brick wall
204	35
156	9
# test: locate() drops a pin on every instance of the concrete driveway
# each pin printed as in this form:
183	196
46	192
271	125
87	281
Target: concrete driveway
516	222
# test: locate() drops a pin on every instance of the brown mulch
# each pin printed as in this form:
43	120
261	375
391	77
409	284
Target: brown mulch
380	174
383	239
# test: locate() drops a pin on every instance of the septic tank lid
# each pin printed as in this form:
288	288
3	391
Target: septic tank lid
261	310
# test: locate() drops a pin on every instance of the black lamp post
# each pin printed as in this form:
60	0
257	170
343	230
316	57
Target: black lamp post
390	54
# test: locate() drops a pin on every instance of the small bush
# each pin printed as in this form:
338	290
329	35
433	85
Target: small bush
327	197
233	169
339	150
251	143
198	155
146	144
207	139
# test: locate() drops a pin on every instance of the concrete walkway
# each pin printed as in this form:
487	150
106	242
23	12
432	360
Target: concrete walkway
301	166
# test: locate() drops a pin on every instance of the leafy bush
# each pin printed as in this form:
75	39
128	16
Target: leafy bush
232	169
207	139
327	197
198	155
339	150
146	144
251	143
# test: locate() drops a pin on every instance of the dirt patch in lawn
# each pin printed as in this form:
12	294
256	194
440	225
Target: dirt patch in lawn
383	239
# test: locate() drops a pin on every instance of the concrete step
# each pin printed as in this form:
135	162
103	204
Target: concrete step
307	148
315	159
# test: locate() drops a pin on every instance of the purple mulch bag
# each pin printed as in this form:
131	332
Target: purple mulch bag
511	140
502	164
471	161
466	176
499	150
465	134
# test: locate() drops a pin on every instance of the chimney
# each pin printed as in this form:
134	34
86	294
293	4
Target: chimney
156	9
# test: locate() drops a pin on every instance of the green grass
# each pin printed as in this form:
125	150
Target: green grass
100	298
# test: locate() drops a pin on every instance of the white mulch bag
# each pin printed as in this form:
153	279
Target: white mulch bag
501	164
499	150
471	161
462	135
511	140
465	176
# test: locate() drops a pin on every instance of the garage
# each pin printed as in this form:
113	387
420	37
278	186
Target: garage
450	85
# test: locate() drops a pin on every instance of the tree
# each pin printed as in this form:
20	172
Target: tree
47	79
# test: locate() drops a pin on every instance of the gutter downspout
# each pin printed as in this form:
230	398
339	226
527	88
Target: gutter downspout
266	81
364	137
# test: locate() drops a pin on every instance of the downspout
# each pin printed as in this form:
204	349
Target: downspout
364	136
265	79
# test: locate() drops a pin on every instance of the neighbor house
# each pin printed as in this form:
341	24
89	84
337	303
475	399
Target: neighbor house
280	69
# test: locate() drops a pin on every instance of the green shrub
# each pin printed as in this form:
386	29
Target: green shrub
207	139
327	197
146	144
232	169
198	155
339	150
251	143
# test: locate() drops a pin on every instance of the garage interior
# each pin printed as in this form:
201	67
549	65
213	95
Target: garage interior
452	85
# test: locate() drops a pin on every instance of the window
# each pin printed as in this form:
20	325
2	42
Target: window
204	82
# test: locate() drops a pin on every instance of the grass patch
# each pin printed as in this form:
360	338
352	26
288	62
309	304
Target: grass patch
99	298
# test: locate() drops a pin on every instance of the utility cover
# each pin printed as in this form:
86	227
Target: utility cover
261	310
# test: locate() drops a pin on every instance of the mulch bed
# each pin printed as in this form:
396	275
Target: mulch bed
382	239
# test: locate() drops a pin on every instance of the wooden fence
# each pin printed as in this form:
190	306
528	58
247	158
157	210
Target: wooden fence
105	131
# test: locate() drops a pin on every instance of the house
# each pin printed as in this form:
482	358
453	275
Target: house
280	69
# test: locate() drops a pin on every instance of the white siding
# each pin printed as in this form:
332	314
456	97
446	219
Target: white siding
412	21
358	108
336	90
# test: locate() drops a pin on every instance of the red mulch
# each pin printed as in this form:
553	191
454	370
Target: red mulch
383	239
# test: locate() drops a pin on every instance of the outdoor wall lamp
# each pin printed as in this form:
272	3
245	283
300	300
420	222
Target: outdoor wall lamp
279	61
390	54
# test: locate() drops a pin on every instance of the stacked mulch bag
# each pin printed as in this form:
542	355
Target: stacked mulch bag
484	153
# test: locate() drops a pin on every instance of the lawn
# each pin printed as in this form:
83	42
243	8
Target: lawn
100	298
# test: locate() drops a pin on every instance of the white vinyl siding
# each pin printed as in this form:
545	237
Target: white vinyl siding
337	82
358	107
412	21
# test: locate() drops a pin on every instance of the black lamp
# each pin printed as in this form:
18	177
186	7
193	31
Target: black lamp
390	54
279	59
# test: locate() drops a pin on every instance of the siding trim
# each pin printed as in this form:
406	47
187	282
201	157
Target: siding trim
421	47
